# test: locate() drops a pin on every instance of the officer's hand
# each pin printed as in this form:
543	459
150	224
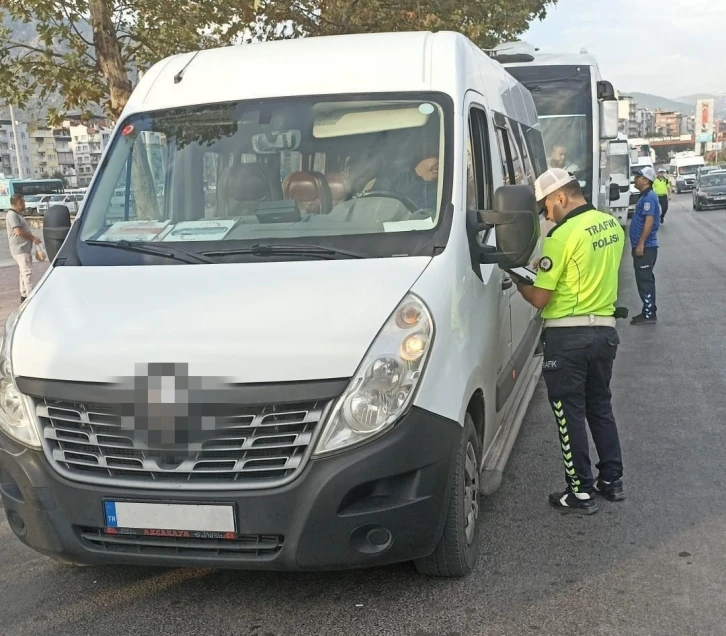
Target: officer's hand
639	250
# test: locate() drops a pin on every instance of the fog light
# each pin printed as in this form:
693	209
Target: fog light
17	523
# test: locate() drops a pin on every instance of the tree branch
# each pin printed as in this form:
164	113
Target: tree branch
34	49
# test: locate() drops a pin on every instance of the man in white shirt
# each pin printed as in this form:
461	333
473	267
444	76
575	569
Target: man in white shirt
21	240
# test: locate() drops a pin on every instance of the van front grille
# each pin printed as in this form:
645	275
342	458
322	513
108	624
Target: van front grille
248	447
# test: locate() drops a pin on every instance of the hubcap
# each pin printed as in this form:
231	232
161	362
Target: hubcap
471	493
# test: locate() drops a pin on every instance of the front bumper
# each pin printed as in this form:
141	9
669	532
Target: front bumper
685	186
707	203
382	503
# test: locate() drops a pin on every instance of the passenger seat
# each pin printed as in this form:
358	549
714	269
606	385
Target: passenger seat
240	187
310	190
340	186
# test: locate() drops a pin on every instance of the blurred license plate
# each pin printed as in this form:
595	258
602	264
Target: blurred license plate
719	198
173	520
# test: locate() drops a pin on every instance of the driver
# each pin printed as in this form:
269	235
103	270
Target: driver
558	159
419	184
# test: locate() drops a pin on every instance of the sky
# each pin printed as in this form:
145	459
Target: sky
670	48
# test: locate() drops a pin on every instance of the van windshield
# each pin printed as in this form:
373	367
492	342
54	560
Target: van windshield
688	169
332	171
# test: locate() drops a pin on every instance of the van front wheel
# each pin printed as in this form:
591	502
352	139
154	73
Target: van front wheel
458	549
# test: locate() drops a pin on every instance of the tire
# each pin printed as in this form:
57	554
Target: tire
457	553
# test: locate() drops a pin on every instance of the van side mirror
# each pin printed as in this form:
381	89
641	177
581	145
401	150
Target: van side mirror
515	221
56	225
609	122
614	192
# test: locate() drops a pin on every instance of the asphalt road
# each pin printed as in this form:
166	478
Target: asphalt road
654	564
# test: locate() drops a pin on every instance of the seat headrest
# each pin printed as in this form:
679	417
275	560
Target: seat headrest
248	182
311	191
340	186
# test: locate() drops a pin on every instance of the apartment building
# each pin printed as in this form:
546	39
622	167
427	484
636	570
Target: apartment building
10	148
88	141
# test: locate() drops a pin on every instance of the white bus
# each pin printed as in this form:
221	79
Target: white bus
577	110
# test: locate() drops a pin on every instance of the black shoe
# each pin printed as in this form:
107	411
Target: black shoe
567	501
22	299
640	319
612	491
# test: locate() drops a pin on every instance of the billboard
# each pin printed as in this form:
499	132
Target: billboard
705	112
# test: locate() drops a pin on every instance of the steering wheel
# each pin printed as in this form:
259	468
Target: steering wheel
408	203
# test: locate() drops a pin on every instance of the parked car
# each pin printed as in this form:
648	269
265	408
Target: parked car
711	191
36	204
71	201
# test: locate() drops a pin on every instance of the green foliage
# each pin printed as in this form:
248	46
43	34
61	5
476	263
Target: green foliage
87	51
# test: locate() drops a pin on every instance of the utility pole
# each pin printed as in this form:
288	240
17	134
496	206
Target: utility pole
17	143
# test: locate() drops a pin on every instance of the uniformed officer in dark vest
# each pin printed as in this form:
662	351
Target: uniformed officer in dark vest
577	287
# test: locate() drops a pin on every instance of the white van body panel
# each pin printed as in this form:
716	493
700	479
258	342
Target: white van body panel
251	323
271	322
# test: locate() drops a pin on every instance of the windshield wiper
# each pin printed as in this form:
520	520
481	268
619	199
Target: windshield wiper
176	254
284	249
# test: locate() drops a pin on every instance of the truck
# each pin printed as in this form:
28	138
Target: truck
682	170
618	168
578	112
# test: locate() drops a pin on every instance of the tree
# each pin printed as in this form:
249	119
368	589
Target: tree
88	51
59	175
486	22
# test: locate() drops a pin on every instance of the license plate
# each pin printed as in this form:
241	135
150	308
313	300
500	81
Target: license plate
719	198
174	520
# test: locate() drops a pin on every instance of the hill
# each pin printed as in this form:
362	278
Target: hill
655	102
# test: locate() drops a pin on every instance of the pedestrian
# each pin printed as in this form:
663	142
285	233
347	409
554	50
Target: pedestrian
21	240
577	287
662	189
644	242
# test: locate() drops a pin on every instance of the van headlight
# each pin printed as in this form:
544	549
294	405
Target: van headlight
385	383
15	419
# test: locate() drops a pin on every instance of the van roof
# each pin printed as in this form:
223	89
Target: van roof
334	65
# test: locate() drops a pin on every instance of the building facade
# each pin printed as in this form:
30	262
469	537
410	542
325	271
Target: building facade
668	123
88	141
10	148
627	114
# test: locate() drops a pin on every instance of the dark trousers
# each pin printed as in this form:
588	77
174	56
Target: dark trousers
663	206
577	368
645	279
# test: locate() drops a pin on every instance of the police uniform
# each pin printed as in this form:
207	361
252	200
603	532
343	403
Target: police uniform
661	187
580	261
644	265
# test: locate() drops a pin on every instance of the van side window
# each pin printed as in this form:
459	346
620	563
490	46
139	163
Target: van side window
505	154
527	165
479	178
520	176
535	148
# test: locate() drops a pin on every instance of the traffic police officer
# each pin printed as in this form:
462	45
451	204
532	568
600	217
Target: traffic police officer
576	287
662	189
644	241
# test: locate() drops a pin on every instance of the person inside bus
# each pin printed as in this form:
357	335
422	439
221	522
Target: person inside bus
558	159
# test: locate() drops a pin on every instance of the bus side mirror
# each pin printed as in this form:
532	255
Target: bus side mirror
56	225
515	221
614	192
609	123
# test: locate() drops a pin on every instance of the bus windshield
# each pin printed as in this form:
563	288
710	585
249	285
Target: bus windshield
562	95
